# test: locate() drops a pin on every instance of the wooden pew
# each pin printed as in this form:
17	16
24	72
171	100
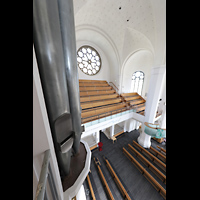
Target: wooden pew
91	81
85	84
102	112
104	182
91	189
131	98
136	102
158	154
116	179
129	94
98	97
146	174
99	92
161	149
91	88
149	155
142	112
139	108
93	104
157	172
106	106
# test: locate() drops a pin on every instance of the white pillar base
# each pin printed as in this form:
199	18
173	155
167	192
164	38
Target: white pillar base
144	140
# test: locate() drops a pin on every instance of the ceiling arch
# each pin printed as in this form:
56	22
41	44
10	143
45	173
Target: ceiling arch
127	26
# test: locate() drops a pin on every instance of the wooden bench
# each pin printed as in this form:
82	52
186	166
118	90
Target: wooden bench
91	88
158	162
116	179
131	98
113	138
161	149
118	134
104	182
97	92
142	112
136	102
85	84
157	172
146	174
91	81
93	147
93	104
106	106
102	112
129	94
158	154
98	97
139	108
91	189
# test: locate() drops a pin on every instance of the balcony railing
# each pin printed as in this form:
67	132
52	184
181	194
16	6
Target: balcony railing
46	176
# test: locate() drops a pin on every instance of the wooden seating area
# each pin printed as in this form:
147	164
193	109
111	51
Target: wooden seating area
135	101
148	158
116	179
157	161
163	151
91	188
113	175
146	174
104	182
99	99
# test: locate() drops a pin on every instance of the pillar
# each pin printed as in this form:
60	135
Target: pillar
129	125
97	138
162	120
153	95
112	129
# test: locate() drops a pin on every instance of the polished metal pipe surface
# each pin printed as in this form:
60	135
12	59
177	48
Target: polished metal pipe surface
66	12
49	54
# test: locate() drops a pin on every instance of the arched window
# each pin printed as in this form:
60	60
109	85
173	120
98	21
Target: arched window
88	60
137	82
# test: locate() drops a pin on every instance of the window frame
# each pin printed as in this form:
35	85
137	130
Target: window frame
132	79
97	54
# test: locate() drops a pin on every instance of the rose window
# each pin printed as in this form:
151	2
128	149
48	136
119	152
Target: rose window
88	60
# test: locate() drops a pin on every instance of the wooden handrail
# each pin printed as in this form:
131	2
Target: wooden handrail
114	85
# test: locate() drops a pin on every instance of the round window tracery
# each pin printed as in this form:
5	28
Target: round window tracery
88	60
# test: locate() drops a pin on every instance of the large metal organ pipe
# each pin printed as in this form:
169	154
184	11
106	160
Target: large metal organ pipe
59	77
67	26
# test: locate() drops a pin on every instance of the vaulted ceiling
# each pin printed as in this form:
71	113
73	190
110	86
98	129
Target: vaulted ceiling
129	25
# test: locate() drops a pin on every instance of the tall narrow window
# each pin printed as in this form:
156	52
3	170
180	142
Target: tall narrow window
137	82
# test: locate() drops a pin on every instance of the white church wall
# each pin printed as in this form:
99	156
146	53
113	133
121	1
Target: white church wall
88	35
141	60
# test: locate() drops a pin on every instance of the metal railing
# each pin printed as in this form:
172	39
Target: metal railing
115	86
46	176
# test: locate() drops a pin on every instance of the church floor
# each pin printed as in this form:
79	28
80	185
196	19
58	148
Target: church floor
137	186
